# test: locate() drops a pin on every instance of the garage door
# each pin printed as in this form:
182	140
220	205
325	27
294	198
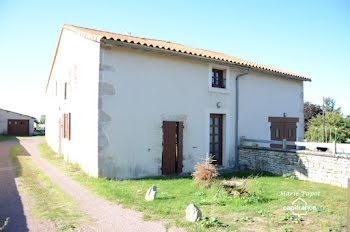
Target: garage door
18	127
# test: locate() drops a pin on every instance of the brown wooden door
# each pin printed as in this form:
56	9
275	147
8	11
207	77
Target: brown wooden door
17	127
215	146
172	147
290	133
283	128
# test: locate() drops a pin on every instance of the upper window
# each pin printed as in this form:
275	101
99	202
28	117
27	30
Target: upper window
65	91
217	78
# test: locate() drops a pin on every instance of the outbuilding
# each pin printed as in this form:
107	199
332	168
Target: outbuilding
12	123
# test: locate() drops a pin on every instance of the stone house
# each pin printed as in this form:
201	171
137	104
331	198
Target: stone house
129	107
12	123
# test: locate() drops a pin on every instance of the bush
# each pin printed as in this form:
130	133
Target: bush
205	172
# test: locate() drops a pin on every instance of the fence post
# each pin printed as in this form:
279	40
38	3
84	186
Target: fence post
242	140
335	147
284	143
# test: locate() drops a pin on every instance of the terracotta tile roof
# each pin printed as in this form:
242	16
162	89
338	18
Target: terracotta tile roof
98	36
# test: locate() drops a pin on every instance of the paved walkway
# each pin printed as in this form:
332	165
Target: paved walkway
107	216
14	204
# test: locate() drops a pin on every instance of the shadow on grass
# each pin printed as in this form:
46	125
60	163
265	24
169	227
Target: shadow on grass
10	200
4	138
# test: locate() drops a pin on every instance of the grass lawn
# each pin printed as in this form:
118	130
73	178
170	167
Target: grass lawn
260	210
4	138
48	200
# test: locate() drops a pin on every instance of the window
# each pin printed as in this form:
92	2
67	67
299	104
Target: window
66	125
290	132
215	144
217	78
277	132
65	91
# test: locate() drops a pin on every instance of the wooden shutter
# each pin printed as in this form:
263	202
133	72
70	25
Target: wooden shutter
179	147
169	148
67	126
64	125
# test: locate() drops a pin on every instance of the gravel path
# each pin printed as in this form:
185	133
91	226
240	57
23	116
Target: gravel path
14	204
107	216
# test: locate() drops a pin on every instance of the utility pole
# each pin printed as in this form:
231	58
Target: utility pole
323	116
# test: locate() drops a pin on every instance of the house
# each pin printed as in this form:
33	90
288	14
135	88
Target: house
12	123
129	107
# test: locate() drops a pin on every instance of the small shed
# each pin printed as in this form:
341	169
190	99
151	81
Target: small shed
12	123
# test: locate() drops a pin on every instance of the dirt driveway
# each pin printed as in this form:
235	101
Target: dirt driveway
106	216
14	204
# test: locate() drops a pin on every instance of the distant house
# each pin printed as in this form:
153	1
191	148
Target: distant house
128	107
12	123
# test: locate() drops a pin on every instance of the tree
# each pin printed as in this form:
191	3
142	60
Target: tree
42	119
333	120
310	111
329	105
36	121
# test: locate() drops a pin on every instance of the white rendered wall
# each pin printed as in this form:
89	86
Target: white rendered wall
145	88
77	63
151	88
262	96
6	115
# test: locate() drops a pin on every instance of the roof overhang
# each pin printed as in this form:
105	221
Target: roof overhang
200	58
204	55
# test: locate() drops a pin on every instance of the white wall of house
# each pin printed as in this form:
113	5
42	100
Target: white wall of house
150	88
77	64
6	115
146	88
262	96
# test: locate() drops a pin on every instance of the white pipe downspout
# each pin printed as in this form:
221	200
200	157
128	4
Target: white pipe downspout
236	119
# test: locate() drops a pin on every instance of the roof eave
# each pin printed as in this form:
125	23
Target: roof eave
196	57
54	59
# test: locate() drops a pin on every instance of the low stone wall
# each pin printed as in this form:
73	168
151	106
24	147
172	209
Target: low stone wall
322	167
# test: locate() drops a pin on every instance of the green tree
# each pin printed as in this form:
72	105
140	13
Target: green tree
42	119
332	120
329	105
310	111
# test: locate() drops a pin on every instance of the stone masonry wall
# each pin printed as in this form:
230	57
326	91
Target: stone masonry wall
322	167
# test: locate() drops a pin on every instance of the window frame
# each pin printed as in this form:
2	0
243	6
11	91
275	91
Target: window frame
218	79
226	77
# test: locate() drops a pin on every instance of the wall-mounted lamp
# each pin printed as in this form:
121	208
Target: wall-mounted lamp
219	104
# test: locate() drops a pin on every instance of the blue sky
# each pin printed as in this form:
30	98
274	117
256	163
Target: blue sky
311	38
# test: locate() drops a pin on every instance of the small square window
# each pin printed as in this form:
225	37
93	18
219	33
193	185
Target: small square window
217	79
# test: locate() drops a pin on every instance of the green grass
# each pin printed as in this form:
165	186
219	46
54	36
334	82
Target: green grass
48	201
4	138
262	210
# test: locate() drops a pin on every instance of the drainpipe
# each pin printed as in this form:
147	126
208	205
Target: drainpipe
236	120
